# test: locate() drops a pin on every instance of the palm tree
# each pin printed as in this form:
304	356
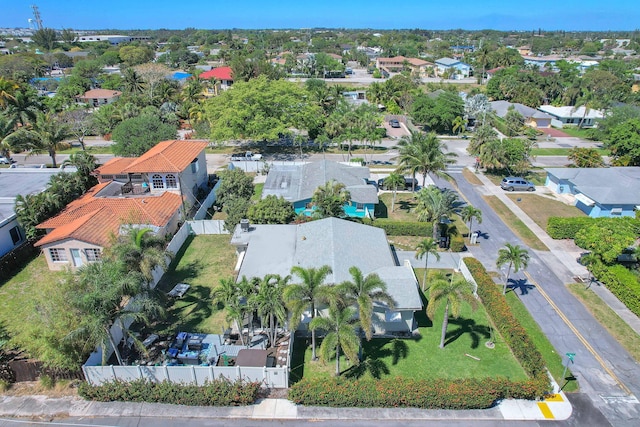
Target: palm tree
307	295
468	214
423	153
269	303
452	293
458	124
364	291
133	82
425	248
7	90
341	334
435	204
46	134
329	199
23	107
108	294
7	127
84	163
394	181
141	251
228	294
515	256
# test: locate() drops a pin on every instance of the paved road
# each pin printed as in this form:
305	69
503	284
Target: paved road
606	372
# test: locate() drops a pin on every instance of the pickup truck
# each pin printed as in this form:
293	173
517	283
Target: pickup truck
246	157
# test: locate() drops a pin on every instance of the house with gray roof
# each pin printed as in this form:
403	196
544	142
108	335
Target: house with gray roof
297	183
274	249
599	192
532	117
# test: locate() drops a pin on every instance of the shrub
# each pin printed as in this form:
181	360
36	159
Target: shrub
4	385
214	393
566	228
47	382
401	228
510	328
624	284
425	394
457	244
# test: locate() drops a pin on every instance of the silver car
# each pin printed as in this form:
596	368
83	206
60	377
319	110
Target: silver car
514	183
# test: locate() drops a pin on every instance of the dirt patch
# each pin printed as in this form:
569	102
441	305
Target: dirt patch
63	388
554	133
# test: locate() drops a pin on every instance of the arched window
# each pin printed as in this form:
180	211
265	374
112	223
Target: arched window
171	181
157	181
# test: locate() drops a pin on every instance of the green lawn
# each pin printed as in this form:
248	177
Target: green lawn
608	318
540	208
33	283
202	262
404	208
583	133
422	358
257	192
552	359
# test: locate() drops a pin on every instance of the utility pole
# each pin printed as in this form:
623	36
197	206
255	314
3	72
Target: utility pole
36	16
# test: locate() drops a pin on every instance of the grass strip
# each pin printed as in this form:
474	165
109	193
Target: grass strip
515	224
618	328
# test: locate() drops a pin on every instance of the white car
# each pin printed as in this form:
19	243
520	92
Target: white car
5	161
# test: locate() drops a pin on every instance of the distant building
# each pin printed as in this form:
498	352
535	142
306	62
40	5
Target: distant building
99	97
112	39
457	68
532	117
397	64
572	116
223	75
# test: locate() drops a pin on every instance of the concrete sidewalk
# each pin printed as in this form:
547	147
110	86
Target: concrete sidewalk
554	407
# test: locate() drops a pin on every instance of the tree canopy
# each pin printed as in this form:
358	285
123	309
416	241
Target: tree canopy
135	136
261	110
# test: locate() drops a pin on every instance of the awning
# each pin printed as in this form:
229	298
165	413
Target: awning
584	199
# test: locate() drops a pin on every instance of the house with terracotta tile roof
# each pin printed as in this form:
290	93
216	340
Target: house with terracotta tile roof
177	166
399	63
99	97
78	234
224	75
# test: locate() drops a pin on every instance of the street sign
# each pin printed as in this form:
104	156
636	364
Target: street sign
571	356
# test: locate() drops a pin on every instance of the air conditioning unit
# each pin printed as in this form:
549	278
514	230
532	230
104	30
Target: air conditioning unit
244	225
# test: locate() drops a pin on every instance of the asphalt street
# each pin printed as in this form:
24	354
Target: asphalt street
605	371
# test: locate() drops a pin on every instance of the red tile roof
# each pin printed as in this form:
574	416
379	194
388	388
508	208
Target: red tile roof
94	219
166	156
100	93
220	73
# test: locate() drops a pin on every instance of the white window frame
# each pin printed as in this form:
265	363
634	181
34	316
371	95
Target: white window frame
93	254
157	181
171	181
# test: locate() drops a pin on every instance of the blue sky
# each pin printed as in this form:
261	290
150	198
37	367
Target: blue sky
426	14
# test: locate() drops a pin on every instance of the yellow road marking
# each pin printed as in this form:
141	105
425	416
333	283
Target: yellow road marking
554	398
578	334
544	408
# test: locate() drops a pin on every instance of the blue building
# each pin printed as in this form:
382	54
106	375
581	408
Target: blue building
599	192
297	183
458	69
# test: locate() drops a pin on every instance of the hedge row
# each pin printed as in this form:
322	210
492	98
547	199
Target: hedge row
566	228
623	283
510	328
402	228
214	393
426	394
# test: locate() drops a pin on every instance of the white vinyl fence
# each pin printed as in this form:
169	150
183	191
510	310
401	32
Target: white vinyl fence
197	375
208	202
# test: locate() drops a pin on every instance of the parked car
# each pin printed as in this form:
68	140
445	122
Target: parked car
5	161
409	183
514	183
246	157
394	123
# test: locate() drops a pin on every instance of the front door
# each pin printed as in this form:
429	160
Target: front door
77	259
